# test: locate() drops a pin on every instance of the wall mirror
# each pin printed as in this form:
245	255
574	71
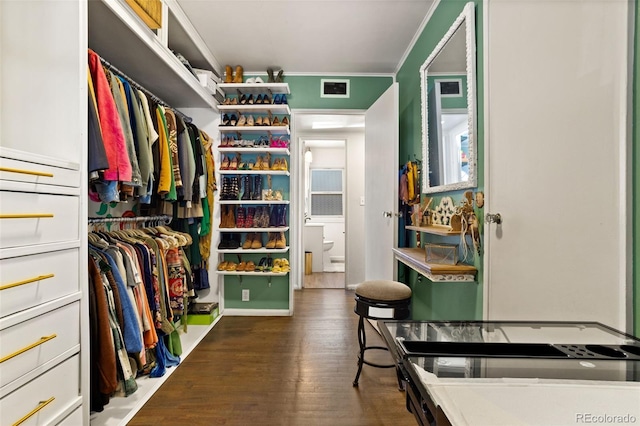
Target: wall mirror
448	80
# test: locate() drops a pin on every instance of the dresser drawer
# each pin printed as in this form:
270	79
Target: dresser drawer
37	341
58	386
73	419
41	218
27	281
40	174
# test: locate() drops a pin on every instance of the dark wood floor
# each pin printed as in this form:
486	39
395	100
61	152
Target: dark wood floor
294	371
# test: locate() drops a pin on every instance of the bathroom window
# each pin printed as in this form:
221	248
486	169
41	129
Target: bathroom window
327	192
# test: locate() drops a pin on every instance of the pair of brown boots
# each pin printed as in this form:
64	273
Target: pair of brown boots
230	77
252	241
227	217
277	240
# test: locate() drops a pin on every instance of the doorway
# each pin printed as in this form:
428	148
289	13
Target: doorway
331	187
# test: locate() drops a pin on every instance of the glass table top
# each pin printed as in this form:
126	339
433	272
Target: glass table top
479	349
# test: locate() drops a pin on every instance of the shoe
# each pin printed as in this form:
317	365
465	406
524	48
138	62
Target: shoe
233	165
275	122
250	80
251	213
256	243
256	165
240	217
225	120
234	241
250	120
225	163
222	266
281	241
238	78
259	80
250	100
242	121
281	218
241	266
231	266
273	217
257	188
283	165
247	185
261	264
277	99
259	99
283	99
233	120
258	121
284	122
266	121
247	242
277	195
231	218
250	267
280	76
243	99
228	75
269	265
276	164
271	244
271	78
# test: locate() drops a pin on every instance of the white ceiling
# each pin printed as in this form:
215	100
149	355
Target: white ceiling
309	36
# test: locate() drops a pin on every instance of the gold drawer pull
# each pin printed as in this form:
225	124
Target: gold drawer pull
25	172
40	406
26	348
27	281
26	216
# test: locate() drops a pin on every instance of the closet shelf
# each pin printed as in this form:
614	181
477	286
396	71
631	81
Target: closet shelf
255	88
254	172
112	25
274	108
280	229
414	258
276	130
280	151
252	251
258	202
435	230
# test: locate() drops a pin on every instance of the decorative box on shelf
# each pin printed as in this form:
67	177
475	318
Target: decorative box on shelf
445	254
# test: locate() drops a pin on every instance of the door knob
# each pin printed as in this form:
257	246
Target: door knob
387	214
399	214
493	218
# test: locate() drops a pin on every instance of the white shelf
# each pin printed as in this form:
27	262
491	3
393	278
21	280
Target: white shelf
253	251
255	88
280	229
255	274
255	172
274	108
258	202
275	130
121	37
281	151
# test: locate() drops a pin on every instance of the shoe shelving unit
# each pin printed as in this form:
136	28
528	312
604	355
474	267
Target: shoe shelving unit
270	291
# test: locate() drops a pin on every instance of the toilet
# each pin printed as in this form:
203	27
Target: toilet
326	260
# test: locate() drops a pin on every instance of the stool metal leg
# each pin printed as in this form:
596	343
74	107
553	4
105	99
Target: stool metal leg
362	341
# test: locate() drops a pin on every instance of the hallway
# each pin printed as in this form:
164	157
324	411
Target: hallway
281	371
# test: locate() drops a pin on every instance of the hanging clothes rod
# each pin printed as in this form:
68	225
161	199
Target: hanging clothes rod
131	81
164	218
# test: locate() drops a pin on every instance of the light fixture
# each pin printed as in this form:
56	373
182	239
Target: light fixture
308	155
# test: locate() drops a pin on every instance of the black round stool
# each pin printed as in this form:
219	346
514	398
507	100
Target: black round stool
380	299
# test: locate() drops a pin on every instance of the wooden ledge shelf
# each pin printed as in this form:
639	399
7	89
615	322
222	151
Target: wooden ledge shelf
414	258
436	230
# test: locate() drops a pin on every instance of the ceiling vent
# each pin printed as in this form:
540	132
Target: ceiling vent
334	88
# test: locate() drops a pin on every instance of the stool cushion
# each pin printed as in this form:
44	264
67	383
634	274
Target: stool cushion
383	290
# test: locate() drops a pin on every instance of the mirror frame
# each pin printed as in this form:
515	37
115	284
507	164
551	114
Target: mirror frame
466	19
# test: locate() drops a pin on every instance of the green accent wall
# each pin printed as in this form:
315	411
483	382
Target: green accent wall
261	294
449	300
363	92
636	175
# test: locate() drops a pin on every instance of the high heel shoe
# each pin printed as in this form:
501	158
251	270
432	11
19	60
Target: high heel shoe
233	120
250	121
276	164
284	122
243	99
258	121
275	121
277	99
225	120
233	165
257	164
283	165
250	100
242	121
225	163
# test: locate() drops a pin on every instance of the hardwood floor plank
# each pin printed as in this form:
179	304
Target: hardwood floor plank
282	371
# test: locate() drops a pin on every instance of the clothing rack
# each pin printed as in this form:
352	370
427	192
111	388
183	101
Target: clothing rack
164	218
139	87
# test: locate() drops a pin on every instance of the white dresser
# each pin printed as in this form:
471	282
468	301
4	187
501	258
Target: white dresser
43	99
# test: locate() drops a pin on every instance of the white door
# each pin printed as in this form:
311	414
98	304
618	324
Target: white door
556	143
381	185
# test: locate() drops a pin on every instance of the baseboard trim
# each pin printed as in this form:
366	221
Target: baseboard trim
257	312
